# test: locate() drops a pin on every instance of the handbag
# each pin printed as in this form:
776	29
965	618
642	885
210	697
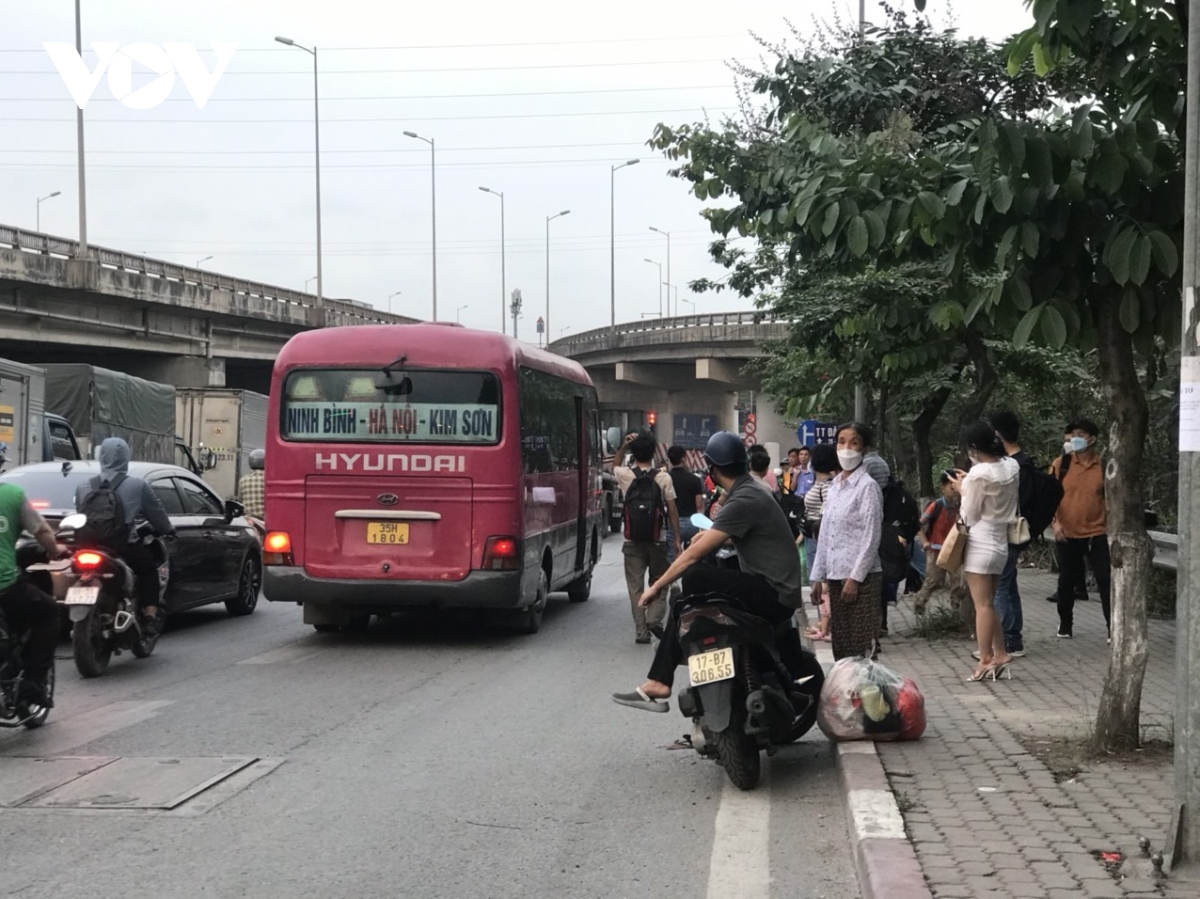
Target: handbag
1018	531
954	549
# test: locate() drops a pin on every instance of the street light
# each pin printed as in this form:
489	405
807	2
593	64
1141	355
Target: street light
317	146
684	299
673	287
389	301
57	193
667	235
562	331
82	252
308	281
549	219
200	262
433	205
612	223
503	278
660	284
457	317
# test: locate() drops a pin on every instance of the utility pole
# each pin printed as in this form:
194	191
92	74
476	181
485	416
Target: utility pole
516	310
83	237
1184	837
860	391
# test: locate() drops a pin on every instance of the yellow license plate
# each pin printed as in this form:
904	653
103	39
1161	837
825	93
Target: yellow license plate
709	667
388	533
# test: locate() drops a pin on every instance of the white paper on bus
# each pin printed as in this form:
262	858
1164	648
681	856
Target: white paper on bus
366	422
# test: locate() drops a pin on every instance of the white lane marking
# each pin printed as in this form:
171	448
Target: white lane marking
740	864
292	653
62	735
875	815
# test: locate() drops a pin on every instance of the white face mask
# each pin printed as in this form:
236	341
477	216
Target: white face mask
1067	448
1079	444
849	458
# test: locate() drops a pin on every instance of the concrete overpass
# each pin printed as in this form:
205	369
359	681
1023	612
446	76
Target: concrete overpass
151	318
682	369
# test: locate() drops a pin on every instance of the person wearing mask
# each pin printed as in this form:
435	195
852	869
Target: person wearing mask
1064	465
1008	592
140	504
252	488
824	464
847	566
936	523
646	509
1080	525
689	499
768	584
989	493
23	607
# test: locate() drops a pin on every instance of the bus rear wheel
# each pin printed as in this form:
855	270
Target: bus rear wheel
581	589
530	621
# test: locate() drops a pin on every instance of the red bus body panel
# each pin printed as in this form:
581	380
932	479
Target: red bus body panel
454	497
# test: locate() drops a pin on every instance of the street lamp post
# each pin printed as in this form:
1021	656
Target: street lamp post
667	235
686	300
79	161
433	205
503	277
660	285
612	223
308	281
672	287
457	315
317	148
549	219
39	208
389	301
200	262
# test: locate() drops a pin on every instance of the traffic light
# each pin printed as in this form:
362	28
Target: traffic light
652	418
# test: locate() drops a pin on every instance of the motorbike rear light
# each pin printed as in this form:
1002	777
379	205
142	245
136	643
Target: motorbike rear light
277	548
87	560
40	504
709	641
502	554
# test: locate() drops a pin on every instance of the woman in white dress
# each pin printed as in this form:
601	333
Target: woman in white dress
989	504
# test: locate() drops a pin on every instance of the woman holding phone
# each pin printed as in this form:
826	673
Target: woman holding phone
989	503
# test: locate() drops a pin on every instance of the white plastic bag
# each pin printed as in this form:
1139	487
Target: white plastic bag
865	700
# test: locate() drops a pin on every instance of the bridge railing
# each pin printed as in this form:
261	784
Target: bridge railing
600	338
49	245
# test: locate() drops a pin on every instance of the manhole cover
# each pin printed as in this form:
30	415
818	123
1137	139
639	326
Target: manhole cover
163	783
23	779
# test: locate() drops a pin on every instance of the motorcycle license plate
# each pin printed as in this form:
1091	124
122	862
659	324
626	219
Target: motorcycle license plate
81	596
709	667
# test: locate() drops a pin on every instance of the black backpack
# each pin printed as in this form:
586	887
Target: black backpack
901	521
1041	501
106	526
644	508
793	509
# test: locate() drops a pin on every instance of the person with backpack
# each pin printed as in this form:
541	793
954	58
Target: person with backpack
689	499
1038	497
113	503
649	504
935	526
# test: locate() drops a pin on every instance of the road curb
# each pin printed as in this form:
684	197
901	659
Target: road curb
884	859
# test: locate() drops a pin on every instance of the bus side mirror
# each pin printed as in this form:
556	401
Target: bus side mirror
613	436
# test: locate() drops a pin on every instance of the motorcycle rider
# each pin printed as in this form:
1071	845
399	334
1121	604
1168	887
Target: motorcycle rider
139	502
252	487
22	605
768	584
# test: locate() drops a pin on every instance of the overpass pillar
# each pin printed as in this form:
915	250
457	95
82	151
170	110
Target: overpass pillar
183	371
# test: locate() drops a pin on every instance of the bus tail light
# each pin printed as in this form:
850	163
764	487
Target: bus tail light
502	554
277	548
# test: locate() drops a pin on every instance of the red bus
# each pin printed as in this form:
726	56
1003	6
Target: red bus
428	465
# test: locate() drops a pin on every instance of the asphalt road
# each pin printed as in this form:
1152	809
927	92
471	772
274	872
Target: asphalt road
425	758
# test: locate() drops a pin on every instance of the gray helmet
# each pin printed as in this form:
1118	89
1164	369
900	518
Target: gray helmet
725	448
258	460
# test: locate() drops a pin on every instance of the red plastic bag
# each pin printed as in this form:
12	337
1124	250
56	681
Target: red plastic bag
911	706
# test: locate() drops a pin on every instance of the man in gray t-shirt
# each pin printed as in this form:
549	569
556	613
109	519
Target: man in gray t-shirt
760	533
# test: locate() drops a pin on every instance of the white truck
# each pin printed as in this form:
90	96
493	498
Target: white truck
29	433
221	427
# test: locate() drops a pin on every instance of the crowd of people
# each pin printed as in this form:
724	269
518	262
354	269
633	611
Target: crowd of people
850	520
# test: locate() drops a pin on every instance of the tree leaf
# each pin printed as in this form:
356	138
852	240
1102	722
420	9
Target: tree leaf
1130	310
1039	161
1005	247
955	194
1013	144
1166	257
980	208
1029	239
876	228
932	204
1139	260
1053	327
1041	62
767	215
1025	326
1119	253
857	236
1021	294
1111	170
1002	195
831	219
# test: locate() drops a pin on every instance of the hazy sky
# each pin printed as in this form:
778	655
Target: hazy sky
535	99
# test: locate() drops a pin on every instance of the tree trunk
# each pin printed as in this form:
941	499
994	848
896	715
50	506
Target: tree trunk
1118	718
922	427
985	376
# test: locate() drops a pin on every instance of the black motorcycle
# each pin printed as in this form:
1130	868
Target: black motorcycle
23	705
103	602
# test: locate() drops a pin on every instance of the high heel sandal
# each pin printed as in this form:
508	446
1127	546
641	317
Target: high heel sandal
998	671
984	674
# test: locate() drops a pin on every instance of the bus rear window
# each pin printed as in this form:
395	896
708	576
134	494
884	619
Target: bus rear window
412	406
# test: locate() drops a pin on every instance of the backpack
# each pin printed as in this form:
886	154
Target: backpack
793	510
644	508
1045	493
106	526
901	521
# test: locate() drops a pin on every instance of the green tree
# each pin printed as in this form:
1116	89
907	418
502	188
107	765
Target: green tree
1054	224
